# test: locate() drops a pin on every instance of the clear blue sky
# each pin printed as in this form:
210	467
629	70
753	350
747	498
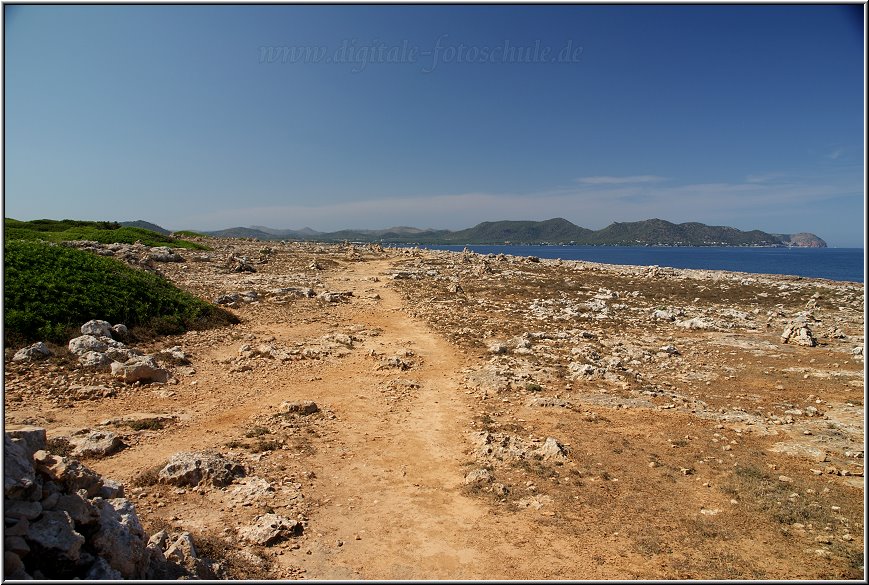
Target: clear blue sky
750	116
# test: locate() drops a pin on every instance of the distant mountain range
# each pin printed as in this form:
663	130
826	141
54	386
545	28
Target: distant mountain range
651	232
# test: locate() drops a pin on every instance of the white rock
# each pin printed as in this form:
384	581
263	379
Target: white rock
34	352
97	328
86	343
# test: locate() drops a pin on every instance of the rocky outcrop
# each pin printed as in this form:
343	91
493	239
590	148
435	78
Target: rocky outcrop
64	521
200	467
98	348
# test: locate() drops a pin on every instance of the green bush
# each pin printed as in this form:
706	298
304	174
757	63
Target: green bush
50	290
105	232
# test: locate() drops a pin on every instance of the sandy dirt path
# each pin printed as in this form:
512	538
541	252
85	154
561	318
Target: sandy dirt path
393	478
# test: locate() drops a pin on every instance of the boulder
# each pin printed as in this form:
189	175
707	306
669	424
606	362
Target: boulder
498	348
69	473
96	444
140	369
111	489
54	535
31	438
270	529
94	359
193	468
79	508
18	473
86	343
21	509
37	351
120	539
97	328
120	332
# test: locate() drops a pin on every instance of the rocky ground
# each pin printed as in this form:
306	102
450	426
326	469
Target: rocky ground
406	414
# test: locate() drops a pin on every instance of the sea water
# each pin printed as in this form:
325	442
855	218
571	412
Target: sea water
831	263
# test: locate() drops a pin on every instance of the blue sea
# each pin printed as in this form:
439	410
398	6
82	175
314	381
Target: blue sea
831	263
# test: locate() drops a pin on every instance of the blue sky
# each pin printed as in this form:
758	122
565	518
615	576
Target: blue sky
189	116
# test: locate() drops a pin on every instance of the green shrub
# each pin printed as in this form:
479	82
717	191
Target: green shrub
105	232
50	290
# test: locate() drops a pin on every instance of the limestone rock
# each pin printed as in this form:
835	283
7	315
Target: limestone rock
695	323
140	369
798	332
37	351
18	473
270	529
251	490
120	332
31	438
662	315
303	407
70	473
165	254
86	343
182	551
192	468
97	328
120	539
94	359
79	508
552	449
54	533
96	444
122	354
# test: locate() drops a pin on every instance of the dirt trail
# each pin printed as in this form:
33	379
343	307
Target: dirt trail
393	479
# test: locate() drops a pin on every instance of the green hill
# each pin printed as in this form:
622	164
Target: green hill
556	230
106	232
658	231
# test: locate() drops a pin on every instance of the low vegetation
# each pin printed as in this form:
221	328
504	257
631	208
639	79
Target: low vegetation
51	290
105	232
